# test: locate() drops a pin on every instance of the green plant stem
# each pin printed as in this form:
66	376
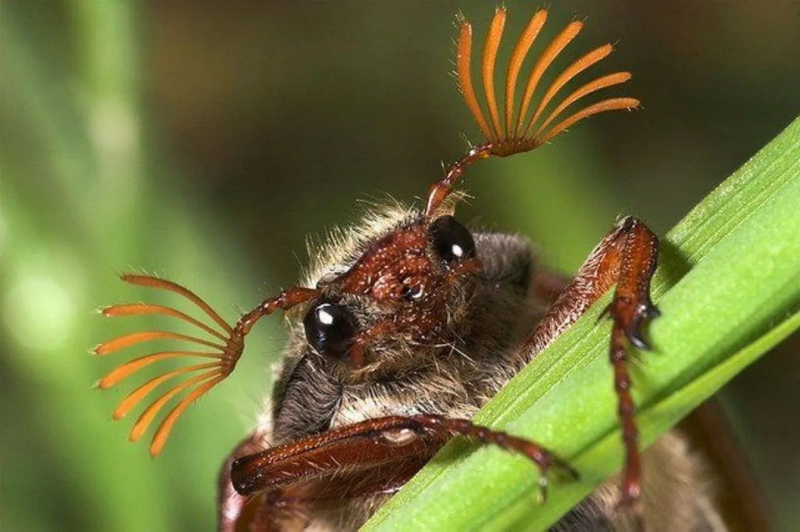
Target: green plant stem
730	271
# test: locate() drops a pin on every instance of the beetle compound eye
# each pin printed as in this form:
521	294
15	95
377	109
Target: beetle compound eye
330	329
451	240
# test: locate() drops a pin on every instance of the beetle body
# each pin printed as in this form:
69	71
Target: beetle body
487	320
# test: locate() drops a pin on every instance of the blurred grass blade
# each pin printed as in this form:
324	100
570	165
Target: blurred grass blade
729	272
85	192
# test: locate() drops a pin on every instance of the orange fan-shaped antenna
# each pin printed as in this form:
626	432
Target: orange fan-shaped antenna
517	134
527	125
222	344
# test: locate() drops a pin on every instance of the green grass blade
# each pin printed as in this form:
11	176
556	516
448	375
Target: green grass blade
729	272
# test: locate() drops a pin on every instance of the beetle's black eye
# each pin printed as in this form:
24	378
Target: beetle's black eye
329	329
451	240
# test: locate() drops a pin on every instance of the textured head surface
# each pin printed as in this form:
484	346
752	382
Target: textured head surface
472	322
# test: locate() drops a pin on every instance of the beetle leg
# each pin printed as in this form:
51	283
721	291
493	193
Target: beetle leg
369	444
626	257
233	509
290	508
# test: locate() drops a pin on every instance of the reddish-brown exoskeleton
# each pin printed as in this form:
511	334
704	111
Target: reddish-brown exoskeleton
409	325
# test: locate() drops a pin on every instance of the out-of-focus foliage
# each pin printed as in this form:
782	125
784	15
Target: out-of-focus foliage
82	197
196	141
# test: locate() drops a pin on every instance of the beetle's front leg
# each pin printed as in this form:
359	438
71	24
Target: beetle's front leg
373	456
372	443
629	309
626	257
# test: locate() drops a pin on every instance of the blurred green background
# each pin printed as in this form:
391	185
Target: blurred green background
203	142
